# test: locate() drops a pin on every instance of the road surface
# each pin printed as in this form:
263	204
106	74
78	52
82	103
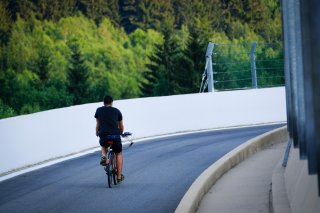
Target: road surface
158	172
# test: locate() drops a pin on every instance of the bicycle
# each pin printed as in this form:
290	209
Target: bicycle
111	163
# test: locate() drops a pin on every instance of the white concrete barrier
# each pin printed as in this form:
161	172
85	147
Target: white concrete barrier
30	139
301	188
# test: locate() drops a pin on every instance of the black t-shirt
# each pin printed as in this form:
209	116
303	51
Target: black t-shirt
108	117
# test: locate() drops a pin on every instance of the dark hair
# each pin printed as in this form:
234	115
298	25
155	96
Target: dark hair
107	99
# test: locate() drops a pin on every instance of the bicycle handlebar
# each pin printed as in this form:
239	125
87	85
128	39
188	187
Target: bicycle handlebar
128	137
126	134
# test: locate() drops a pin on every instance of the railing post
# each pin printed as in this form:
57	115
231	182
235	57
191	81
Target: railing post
209	67
253	65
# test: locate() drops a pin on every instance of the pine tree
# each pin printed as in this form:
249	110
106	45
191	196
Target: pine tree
41	66
97	9
145	14
6	23
151	75
161	70
78	74
127	10
24	9
55	10
192	58
113	12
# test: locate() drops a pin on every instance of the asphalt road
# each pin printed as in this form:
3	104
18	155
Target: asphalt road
158	173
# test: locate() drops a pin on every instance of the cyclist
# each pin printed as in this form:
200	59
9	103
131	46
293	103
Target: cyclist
109	127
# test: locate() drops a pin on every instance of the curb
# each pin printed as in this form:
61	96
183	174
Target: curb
210	176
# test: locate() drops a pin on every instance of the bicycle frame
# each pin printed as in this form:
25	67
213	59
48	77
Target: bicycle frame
111	161
111	166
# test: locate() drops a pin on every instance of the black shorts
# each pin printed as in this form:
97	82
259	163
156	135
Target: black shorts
116	146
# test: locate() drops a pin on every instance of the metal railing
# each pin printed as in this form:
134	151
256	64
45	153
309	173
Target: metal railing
227	68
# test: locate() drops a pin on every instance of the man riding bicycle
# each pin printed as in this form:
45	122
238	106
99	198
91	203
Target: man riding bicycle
109	127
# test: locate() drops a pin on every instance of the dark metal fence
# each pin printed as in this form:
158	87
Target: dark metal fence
301	25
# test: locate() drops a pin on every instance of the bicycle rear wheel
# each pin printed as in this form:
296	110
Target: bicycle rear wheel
114	169
109	171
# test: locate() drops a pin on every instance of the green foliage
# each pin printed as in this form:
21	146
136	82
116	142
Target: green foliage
59	53
78	74
232	67
5	21
155	81
163	71
98	9
6	111
270	65
54	10
193	59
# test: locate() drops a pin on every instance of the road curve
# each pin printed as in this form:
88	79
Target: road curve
158	173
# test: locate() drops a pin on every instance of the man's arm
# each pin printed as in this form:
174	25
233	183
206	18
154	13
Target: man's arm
97	127
121	127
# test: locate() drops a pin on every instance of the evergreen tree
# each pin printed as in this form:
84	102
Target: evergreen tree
37	71
145	14
55	10
113	12
193	58
22	8
152	75
160	71
78	74
42	65
6	111
166	68
97	9
6	22
127	10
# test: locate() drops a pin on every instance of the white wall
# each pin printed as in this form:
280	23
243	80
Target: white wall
34	138
302	189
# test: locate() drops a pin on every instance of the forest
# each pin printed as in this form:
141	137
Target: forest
58	53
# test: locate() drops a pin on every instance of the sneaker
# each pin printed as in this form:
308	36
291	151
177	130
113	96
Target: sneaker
103	161
119	181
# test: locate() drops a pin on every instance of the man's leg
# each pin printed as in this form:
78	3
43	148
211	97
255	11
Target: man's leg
104	151
119	164
103	155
